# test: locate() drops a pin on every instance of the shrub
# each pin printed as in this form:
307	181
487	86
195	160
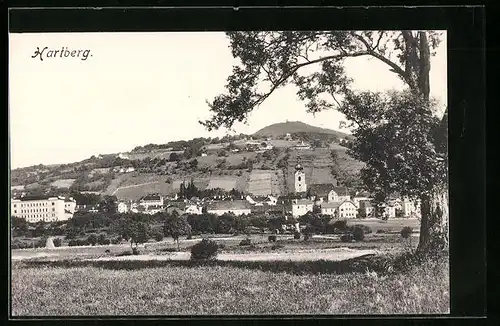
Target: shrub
73	243
92	239
206	249
339	225
307	236
406	232
366	229
135	251
57	242
158	236
277	246
271	238
348	237
358	233
189	237
296	235
246	242
115	241
381	231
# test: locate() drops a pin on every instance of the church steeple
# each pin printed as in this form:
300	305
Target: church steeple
300	178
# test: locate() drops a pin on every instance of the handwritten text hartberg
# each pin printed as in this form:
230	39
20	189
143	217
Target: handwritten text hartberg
64	52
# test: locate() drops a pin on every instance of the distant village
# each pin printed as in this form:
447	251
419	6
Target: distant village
327	199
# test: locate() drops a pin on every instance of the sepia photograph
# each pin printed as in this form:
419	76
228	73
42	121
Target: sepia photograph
229	173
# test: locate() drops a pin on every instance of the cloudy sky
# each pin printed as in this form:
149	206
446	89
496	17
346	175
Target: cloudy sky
141	88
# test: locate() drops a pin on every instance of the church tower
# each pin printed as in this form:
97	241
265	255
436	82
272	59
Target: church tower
300	179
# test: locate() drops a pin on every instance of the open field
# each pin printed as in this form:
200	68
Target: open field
63	183
197	290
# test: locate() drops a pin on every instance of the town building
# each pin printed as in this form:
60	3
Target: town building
340	209
194	209
237	207
301	207
366	208
122	207
153	201
363	195
48	209
339	194
300	179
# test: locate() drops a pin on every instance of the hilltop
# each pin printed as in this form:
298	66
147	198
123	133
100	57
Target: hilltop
292	127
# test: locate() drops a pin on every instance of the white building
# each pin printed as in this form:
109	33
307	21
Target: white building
343	209
339	194
236	207
151	201
300	179
194	210
411	207
301	207
122	208
359	197
47	209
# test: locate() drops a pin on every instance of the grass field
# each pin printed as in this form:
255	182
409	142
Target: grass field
63	183
178	290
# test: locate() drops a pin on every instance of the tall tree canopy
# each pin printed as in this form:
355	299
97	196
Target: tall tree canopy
397	135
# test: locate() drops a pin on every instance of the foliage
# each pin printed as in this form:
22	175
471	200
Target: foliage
92	239
206	249
175	227
348	237
271	238
397	134
406	232
245	242
296	235
358	233
57	242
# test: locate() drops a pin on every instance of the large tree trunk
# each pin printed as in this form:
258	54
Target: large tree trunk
434	227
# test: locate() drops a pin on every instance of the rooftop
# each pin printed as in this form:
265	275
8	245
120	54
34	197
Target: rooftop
229	204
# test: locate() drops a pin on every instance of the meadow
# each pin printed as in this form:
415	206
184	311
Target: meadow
290	276
192	290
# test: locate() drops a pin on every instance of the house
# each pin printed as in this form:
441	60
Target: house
410	207
389	211
362	195
272	200
320	191
366	207
237	207
301	207
339	194
122	208
193	209
340	209
203	154
152	200
123	156
302	145
129	169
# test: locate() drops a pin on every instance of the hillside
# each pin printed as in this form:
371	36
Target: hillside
291	127
211	163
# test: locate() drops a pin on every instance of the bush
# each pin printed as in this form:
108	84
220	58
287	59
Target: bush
246	242
307	236
296	235
135	251
271	238
206	249
189	237
92	239
358	233
366	229
57	242
406	232
348	237
339	225
277	246
158	236
73	243
115	241
381	231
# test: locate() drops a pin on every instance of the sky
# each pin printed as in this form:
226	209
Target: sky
139	88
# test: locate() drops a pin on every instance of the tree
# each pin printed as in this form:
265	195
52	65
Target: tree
175	227
92	239
270	60
108	204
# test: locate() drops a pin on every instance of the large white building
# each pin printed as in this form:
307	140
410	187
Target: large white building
301	207
47	209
